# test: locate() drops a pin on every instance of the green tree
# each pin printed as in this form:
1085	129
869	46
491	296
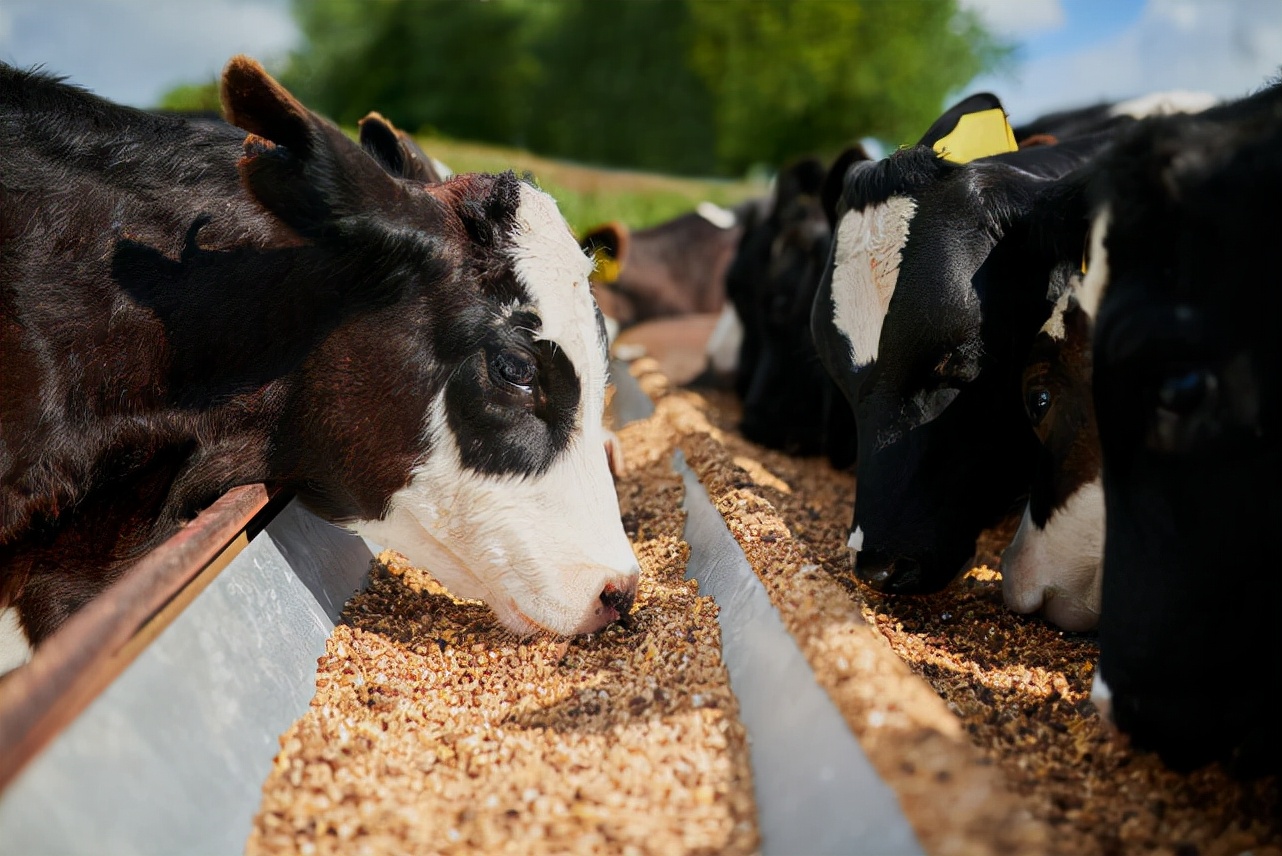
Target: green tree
458	66
680	86
794	77
192	98
615	87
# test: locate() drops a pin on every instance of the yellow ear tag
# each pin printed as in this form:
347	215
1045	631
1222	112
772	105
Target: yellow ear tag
607	266
977	135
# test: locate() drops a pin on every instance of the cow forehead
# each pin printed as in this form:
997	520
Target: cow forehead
553	269
869	249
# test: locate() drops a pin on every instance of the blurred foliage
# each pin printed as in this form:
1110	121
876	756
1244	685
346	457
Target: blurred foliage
692	87
589	197
792	78
192	98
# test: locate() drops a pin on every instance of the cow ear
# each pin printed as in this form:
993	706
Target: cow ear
396	150
297	165
975	128
378	137
835	181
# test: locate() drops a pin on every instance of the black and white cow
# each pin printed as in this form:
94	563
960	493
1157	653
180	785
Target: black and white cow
1053	563
934	291
1187	372
1113	115
186	307
789	400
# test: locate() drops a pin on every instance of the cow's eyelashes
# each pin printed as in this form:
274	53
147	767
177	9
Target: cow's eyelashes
514	370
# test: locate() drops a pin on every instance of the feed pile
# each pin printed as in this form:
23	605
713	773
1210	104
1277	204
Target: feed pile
433	730
1007	755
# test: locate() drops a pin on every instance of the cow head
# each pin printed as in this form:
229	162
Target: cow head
1187	373
929	303
454	413
1054	561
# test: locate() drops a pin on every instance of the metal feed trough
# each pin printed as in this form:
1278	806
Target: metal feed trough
149	722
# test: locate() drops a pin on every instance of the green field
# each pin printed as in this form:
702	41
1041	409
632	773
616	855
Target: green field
589	196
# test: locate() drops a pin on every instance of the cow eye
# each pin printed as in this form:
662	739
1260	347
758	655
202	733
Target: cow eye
513	369
1182	392
1037	401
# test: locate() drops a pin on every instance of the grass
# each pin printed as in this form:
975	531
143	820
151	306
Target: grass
589	196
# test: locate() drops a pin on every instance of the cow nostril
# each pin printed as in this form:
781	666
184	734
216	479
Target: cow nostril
619	597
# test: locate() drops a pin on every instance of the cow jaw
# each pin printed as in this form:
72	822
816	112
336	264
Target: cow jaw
1058	568
869	248
540	551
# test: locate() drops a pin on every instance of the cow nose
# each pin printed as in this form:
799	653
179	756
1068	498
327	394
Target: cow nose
620	595
889	574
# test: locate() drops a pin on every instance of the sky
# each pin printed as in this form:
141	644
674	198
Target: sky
1068	52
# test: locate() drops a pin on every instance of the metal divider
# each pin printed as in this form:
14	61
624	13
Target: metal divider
816	791
171	757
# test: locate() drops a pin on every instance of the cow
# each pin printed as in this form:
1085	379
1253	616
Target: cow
186	307
1053	562
1112	115
1187	368
675	268
929	303
789	400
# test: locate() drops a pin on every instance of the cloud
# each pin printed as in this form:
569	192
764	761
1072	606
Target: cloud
132	51
1227	48
1019	18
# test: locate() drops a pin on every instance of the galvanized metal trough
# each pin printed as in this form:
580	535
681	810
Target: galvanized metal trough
149	722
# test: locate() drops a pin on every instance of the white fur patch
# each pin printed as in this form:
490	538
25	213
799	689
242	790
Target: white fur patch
539	550
1059	568
716	215
1102	697
1091	290
726	340
1164	104
1054	326
14	647
856	540
866	262
554	270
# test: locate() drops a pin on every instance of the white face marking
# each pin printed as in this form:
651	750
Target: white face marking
1164	104
1054	326
538	550
870	246
1059	567
716	215
1102	697
14	647
1091	290
726	340
856	540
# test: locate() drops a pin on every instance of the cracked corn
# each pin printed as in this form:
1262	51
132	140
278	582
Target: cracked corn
435	731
